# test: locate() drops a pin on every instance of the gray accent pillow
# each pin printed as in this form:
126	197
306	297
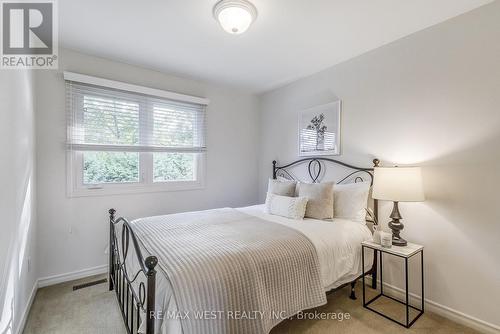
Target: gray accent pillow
320	199
282	188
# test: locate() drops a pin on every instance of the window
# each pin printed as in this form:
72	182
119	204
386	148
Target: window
121	141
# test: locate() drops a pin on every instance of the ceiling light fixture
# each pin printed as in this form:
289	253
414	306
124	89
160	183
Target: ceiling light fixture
235	16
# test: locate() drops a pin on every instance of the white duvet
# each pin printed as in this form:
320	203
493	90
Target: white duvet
338	244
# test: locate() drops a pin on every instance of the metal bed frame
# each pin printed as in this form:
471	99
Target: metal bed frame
314	168
132	302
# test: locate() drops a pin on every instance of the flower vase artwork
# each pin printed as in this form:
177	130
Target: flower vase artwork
319	127
319	130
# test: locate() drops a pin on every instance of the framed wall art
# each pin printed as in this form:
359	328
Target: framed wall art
319	130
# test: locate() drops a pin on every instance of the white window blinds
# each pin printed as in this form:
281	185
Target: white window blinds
107	119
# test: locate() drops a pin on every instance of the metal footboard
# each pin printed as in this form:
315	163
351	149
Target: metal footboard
134	305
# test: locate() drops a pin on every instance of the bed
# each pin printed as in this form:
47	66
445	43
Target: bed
233	270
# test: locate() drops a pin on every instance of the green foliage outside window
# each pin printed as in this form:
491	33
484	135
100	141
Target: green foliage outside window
173	167
110	167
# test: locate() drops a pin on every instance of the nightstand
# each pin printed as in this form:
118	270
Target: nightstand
405	253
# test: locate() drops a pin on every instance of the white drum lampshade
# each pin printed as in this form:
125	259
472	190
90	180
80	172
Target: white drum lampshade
398	184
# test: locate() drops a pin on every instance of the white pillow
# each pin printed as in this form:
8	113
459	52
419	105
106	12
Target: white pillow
350	201
282	188
290	207
284	179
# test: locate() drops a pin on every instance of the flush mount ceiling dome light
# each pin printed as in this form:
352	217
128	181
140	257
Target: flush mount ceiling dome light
235	16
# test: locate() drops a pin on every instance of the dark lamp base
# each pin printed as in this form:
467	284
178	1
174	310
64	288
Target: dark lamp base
398	241
396	226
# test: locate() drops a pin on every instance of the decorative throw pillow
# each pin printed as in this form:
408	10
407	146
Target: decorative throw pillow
282	188
283	179
320	199
350	200
290	207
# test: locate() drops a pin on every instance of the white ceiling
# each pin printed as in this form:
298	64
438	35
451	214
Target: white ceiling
290	38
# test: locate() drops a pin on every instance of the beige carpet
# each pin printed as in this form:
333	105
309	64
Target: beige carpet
60	310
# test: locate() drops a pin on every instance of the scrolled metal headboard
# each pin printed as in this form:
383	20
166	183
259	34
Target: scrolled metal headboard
315	165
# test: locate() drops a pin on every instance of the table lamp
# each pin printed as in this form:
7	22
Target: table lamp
398	184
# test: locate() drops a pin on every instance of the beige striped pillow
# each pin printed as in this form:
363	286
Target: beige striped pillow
282	188
320	199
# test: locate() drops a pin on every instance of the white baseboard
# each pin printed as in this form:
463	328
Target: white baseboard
56	279
26	311
442	310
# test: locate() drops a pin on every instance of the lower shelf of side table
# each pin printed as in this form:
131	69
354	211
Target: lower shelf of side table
404	254
418	314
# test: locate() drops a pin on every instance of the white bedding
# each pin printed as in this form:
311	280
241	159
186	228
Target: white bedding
337	243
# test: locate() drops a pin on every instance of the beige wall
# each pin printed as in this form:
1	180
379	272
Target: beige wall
431	99
73	232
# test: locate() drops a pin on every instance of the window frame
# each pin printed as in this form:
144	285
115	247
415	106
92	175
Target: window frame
146	183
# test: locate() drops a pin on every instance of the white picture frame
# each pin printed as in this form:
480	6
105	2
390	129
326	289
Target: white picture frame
319	130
